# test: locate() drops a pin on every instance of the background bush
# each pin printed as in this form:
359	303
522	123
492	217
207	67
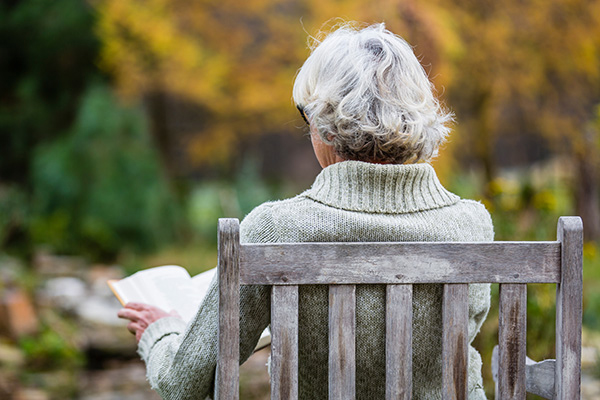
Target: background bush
100	189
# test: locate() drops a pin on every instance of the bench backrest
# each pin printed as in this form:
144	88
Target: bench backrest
398	266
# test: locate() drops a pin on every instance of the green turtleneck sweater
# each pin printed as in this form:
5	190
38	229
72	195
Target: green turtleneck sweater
349	201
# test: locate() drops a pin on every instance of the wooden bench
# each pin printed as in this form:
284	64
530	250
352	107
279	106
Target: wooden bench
398	266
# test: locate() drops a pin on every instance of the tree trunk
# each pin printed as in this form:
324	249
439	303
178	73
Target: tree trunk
156	103
484	139
587	196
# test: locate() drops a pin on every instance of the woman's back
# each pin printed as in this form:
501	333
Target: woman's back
354	202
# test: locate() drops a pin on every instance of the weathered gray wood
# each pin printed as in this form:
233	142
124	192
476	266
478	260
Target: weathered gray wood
539	376
568	310
408	263
228	366
384	263
512	338
455	315
495	363
398	342
284	342
342	344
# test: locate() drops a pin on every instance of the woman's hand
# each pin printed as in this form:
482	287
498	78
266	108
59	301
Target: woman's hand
141	316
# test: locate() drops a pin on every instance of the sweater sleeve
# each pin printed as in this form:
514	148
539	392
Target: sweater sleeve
181	360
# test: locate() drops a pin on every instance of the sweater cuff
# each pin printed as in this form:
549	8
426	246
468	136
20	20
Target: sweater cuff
156	331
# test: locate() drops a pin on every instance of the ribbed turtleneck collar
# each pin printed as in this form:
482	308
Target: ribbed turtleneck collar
380	188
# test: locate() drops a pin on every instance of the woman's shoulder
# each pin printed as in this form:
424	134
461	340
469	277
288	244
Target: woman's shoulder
474	206
261	224
474	214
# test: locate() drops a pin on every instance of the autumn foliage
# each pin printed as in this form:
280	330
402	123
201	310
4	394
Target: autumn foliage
525	74
505	66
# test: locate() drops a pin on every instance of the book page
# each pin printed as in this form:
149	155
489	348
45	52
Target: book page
168	287
265	339
127	291
171	286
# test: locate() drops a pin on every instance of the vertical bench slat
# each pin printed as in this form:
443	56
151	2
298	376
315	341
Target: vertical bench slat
342	344
284	344
455	314
228	366
512	341
398	342
567	383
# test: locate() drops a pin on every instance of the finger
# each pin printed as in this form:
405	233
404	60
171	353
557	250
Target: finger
137	306
134	327
128	314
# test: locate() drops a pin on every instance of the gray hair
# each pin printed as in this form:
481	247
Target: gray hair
365	93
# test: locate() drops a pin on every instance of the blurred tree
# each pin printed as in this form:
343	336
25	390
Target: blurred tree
78	170
523	75
531	69
236	61
99	190
47	52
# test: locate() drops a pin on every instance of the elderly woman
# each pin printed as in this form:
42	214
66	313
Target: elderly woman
374	123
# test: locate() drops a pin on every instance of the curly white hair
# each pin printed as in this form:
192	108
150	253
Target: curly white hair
365	93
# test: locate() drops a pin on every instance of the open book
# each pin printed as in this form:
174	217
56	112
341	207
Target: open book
170	287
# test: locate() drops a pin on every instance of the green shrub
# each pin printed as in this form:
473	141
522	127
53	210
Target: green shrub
216	199
101	188
50	350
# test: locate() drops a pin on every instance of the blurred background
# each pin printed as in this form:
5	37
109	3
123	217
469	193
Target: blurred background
128	127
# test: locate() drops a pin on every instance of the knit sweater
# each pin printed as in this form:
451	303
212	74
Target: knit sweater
349	201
